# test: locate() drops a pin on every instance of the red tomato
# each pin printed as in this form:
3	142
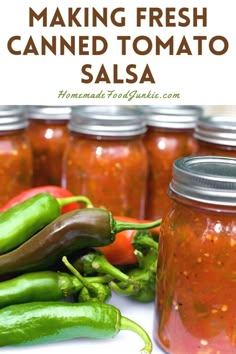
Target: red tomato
121	251
56	191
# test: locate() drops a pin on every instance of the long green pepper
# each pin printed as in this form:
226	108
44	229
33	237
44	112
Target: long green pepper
44	322
22	221
45	286
38	286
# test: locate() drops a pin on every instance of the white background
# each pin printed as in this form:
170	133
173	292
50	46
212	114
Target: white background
206	79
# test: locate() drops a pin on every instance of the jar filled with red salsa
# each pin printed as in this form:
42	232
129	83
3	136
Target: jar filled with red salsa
195	309
48	134
15	153
106	159
169	136
216	135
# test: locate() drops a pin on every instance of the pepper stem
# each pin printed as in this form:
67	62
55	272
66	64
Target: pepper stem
119	226
146	241
126	291
76	273
100	264
80	198
128	324
102	279
96	289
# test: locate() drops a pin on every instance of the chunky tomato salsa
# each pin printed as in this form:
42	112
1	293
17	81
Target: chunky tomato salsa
164	147
196	281
15	164
112	173
48	139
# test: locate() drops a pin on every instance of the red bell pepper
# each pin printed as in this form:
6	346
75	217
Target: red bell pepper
56	191
121	251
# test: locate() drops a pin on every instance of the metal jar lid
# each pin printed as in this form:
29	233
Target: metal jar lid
172	117
207	179
12	118
217	130
49	112
108	121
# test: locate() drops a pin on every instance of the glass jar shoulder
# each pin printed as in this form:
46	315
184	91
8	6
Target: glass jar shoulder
96	149
205	148
196	222
14	143
43	131
172	143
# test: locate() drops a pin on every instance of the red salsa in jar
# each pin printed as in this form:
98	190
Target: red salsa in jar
15	153
106	159
169	136
48	134
195	310
216	135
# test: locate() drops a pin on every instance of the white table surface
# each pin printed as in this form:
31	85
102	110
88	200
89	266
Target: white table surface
126	342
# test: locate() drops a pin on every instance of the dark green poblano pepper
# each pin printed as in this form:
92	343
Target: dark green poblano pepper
88	227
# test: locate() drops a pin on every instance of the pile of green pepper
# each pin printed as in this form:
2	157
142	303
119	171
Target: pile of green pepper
32	253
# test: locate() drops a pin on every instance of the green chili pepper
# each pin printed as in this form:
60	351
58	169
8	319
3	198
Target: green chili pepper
44	322
94	262
88	227
147	281
91	291
145	274
101	293
44	286
20	222
142	278
141	286
38	286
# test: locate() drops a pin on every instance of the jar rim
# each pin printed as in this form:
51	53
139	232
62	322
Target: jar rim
172	117
216	130
207	179
48	112
107	121
12	118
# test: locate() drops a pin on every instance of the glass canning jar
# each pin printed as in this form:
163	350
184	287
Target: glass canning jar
169	136
48	134
195	310
15	153
106	160
216	135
